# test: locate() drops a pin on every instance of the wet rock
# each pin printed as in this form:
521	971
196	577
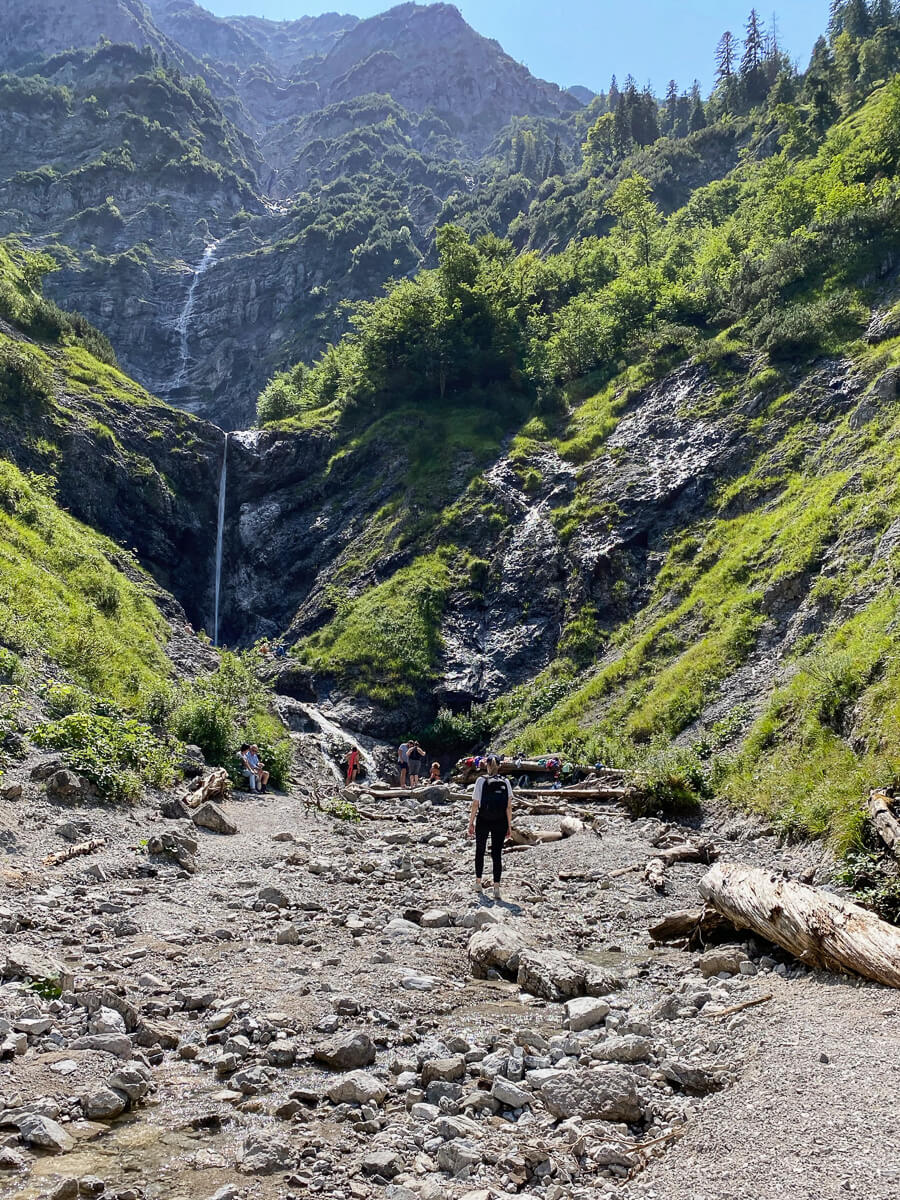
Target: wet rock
584	1012
104	1104
133	1082
604	1093
12	1160
66	1189
210	816
36	1130
357	1087
496	948
558	976
347	1052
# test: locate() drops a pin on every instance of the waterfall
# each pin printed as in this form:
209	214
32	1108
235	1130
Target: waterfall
183	324
220	537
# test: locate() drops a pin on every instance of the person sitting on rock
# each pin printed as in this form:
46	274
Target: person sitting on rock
491	817
258	768
246	770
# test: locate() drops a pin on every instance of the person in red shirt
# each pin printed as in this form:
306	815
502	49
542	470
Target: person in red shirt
352	765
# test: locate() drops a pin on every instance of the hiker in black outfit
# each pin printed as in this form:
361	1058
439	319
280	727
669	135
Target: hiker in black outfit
491	816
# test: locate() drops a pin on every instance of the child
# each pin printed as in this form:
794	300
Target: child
435	776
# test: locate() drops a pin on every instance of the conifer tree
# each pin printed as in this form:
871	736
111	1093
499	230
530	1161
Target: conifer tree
670	109
726	56
883	14
857	21
556	164
698	116
754	42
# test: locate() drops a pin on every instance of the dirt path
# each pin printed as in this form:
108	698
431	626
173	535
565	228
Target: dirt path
303	935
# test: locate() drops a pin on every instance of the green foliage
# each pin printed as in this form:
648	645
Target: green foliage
874	881
386	642
220	711
670	780
116	753
25	381
451	731
342	810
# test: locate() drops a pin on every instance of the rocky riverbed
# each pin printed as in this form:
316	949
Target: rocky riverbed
315	1006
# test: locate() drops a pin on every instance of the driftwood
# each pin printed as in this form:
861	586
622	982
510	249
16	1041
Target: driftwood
216	787
580	793
655	870
694	927
61	856
736	1008
524	836
817	927
880	809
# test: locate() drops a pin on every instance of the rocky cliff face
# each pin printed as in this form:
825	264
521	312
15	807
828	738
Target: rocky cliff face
128	172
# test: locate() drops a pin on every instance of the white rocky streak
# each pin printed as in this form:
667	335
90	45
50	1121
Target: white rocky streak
220	537
341	735
183	324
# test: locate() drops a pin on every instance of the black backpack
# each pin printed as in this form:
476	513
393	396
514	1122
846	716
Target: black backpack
494	799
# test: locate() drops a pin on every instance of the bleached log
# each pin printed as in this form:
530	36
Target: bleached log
655	870
61	856
880	809
820	929
691	926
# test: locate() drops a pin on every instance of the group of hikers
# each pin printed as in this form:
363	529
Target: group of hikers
411	760
490	814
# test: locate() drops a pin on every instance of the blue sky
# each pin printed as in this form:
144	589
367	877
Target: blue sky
585	41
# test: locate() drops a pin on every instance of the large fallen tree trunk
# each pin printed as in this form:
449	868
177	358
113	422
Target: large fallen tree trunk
879	808
820	929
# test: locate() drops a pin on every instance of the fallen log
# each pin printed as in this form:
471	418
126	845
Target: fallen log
655	870
736	1008
215	787
61	856
879	807
820	929
606	793
693	926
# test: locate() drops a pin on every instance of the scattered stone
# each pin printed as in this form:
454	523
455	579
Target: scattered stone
497	948
385	1163
604	1093
273	895
35	1130
584	1012
721	958
103	1104
509	1094
448	1070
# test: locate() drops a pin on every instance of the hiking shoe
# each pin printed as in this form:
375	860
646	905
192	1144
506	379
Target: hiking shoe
496	891
478	888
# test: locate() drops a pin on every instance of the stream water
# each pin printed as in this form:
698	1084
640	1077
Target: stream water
342	737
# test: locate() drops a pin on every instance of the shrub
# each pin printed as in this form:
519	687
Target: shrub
24	381
117	754
669	780
460	731
12	669
207	722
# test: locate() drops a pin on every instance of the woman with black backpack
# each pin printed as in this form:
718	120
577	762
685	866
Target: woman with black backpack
491	817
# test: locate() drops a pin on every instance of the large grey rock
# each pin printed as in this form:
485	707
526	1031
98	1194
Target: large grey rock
210	816
132	1082
509	1094
347	1052
29	964
446	1070
357	1087
498	948
585	1011
36	1130
262	1155
104	1104
602	1093
66	785
628	1049
721	958
559	976
458	1156
109	1043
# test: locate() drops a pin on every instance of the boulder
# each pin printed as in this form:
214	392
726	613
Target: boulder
458	1156
347	1052
65	785
602	1094
357	1087
585	1012
265	1155
498	948
132	1082
509	1094
104	1104
437	794
210	816
29	965
721	958
556	975
385	1163
35	1130
273	895
435	918
446	1069
628	1049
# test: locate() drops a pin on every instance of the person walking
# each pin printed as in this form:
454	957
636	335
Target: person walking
491	817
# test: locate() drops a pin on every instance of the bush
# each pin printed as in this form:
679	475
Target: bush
117	754
24	381
12	669
460	731
669	780
207	722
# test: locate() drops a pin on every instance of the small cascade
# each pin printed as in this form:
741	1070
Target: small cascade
335	734
183	324
220	538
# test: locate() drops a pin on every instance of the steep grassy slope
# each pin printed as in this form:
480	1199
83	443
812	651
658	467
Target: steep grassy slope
684	532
